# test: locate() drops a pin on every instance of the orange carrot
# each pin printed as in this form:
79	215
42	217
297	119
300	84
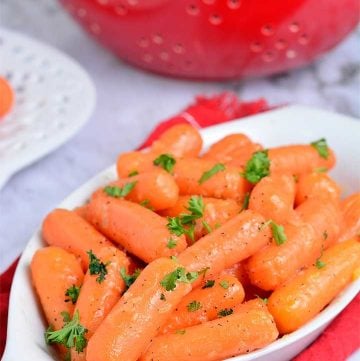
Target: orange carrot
182	140
272	266
216	213
203	303
324	216
350	218
298	159
6	97
303	297
97	299
249	328
53	272
236	240
66	229
135	320
238	270
273	197
318	185
138	229
130	162
242	155
156	189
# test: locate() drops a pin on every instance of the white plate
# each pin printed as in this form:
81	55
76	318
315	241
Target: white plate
54	97
288	125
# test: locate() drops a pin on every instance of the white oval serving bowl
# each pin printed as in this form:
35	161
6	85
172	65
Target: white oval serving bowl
294	124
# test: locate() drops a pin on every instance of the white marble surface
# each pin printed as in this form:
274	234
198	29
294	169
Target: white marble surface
130	103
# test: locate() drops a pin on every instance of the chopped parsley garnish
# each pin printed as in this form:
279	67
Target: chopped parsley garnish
133	173
320	264
209	284
321	170
146	203
174	258
128	278
225	312
165	161
72	334
193	306
224	284
73	294
246	200
171	243
180	332
257	167
219	167
96	267
179	275
265	300
207	226
321	147
175	226
119	192
278	233
162	297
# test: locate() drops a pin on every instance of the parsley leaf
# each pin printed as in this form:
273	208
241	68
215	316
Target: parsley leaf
321	147
73	294
71	335
209	284
128	278
257	167
196	206
225	312
193	306
320	170
175	226
171	243
133	173
96	267
219	167
165	161
278	233
207	226
224	284
179	275
119	192
146	203
246	200
319	264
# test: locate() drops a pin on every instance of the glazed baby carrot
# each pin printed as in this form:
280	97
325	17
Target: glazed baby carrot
135	320
303	297
54	271
316	184
156	189
233	242
324	216
300	159
100	292
273	265
6	98
273	197
182	140
203	303
138	229
250	327
66	229
212	212
350	218
134	162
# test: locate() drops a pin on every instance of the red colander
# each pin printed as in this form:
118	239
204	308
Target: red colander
217	39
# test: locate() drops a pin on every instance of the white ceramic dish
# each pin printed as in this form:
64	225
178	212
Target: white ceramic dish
288	125
54	97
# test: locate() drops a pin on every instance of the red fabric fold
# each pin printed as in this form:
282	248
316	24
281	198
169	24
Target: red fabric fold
340	339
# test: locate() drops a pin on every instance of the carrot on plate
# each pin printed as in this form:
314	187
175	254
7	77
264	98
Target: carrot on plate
350	209
156	189
182	140
294	248
144	308
66	229
316	184
273	197
138	229
303	297
6	98
203	303
250	327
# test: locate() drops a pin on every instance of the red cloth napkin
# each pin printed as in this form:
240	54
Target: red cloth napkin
340	339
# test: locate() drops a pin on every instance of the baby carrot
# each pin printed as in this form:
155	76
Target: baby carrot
303	297
133	322
134	162
6	98
236	240
215	212
203	303
53	272
96	299
324	216
250	327
156	189
182	140
350	218
273	197
238	270
66	229
316	184
138	229
273	265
